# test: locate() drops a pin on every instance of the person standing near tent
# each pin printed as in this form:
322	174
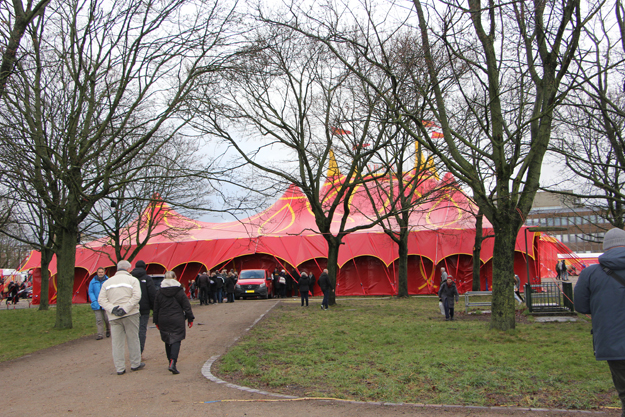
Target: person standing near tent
326	287
558	270
312	284
600	292
304	283
204	283
443	276
229	284
101	318
564	271
120	296
447	294
146	304
282	283
171	309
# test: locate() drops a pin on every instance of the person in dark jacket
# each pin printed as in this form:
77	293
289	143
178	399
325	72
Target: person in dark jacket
230	283
304	283
171	309
203	282
212	289
220	280
312	284
148	292
447	294
598	292
326	286
282	283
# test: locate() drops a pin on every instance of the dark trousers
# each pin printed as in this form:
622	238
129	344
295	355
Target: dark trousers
617	368
324	303
449	311
172	350
143	329
203	295
304	295
218	296
231	297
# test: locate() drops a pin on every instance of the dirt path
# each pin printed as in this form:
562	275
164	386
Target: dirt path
78	379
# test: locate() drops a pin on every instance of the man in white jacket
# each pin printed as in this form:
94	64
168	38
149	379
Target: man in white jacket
120	296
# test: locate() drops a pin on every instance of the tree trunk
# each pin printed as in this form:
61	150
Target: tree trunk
44	297
402	263
334	244
477	252
503	310
66	263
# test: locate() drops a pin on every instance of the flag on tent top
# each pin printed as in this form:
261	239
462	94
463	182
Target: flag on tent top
337	131
437	135
429	123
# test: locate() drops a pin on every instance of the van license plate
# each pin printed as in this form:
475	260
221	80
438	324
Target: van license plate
249	291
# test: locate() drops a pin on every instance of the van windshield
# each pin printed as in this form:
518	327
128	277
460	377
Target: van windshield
252	274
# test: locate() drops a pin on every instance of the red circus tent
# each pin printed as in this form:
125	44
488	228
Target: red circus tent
285	236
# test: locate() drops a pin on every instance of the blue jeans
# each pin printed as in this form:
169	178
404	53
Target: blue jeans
449	312
324	303
219	297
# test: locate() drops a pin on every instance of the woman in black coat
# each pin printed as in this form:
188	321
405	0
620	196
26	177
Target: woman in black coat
171	308
304	282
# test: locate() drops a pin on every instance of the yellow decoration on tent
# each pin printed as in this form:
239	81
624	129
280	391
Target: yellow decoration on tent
333	167
422	161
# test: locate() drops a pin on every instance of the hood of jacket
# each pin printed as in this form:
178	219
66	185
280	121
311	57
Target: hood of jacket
613	259
169	287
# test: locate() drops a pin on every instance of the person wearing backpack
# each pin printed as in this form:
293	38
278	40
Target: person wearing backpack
600	292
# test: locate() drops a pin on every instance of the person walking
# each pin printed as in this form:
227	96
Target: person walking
146	304
447	293
600	291
101	318
171	309
304	284
443	276
204	283
120	296
326	286
565	271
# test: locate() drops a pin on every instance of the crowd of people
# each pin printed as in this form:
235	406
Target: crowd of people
12	290
122	305
123	302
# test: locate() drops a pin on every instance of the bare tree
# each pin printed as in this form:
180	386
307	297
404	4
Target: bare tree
103	79
308	122
504	69
17	19
591	143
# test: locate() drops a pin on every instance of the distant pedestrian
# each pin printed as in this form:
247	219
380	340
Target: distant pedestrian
304	283
148	292
447	294
443	276
564	271
229	285
326	287
203	282
171	309
120	296
101	318
517	286
312	284
282	283
558	270
600	291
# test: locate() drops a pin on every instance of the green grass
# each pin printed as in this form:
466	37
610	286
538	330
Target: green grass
403	351
28	330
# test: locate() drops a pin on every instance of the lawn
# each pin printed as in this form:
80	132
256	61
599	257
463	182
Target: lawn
28	330
403	351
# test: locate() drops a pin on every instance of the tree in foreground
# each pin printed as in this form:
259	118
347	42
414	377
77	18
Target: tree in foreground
103	79
495	74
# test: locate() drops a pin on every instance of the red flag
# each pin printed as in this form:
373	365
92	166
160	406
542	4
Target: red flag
429	123
337	131
437	135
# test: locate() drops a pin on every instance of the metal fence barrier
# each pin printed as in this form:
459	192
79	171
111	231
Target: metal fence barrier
548	297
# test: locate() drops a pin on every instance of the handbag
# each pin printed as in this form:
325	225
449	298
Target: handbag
442	307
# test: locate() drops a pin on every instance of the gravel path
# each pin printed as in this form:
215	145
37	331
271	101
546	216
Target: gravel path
78	379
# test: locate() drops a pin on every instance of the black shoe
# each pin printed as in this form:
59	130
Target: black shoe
141	366
172	367
446	318
122	372
108	333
